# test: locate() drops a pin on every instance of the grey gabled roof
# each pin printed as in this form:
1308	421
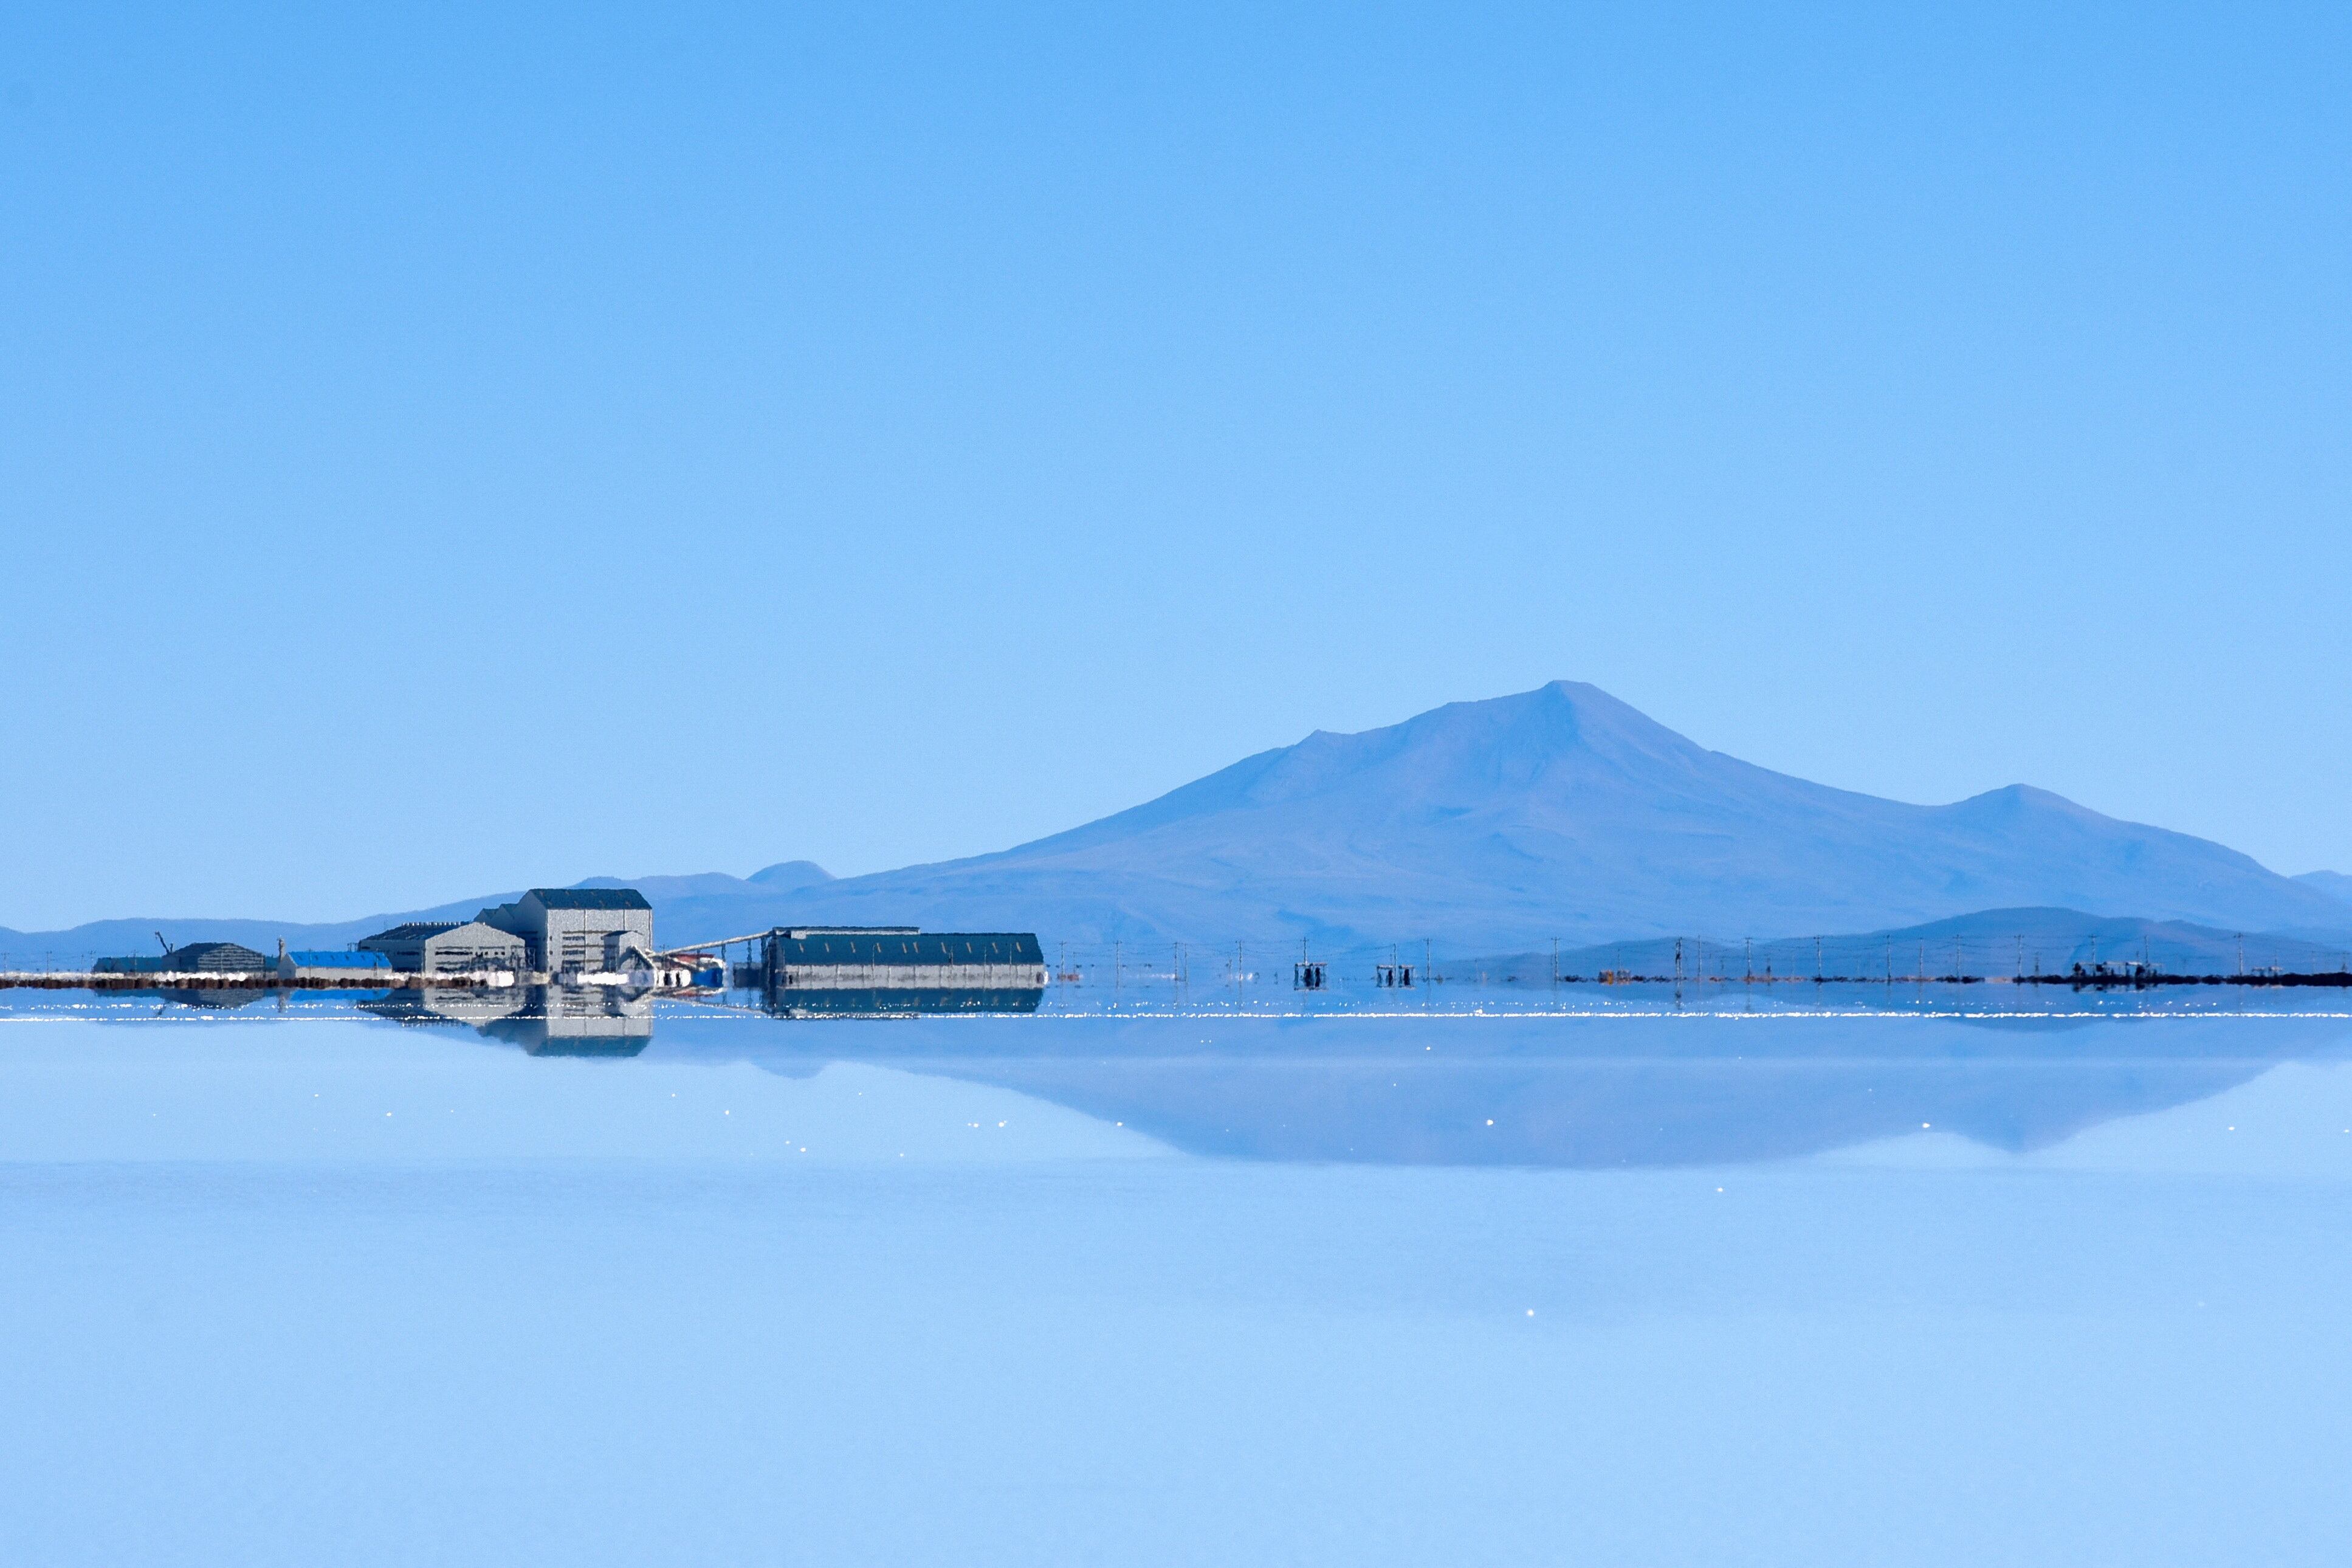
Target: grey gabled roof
819	948
226	957
589	898
412	931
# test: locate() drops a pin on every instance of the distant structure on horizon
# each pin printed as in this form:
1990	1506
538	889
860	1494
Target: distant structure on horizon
568	937
193	958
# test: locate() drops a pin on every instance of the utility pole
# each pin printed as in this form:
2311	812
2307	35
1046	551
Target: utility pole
1817	961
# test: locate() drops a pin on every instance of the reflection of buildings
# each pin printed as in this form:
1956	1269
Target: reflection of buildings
224	998
898	1002
578	1021
544	1020
450	1004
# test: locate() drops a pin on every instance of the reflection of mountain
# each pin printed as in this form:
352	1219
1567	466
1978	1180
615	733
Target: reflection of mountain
1576	1093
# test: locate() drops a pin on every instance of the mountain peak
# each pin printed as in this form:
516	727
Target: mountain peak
786	874
2335	884
1564	812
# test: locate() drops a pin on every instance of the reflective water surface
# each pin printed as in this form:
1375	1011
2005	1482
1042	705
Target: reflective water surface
474	1277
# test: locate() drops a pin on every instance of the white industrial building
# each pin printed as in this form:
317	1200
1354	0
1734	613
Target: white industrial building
580	930
448	947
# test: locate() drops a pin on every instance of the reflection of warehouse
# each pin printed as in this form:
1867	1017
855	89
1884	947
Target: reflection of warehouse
565	1021
544	1020
448	947
450	1003
816	970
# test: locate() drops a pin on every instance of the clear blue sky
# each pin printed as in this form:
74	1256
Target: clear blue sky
446	451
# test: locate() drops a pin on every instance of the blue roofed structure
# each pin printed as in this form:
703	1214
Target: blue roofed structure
356	966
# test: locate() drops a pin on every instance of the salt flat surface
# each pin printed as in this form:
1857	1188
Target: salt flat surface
1176	1292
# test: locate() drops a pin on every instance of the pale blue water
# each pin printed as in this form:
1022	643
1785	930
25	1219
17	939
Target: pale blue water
1723	1289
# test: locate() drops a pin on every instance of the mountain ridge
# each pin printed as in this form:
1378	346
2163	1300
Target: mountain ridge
1564	810
1561	812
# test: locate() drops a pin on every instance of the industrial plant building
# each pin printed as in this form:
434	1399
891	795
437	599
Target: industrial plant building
547	930
448	947
598	937
856	958
880	970
578	931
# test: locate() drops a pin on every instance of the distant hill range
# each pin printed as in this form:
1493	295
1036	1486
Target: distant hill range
1491	826
1986	943
2335	884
